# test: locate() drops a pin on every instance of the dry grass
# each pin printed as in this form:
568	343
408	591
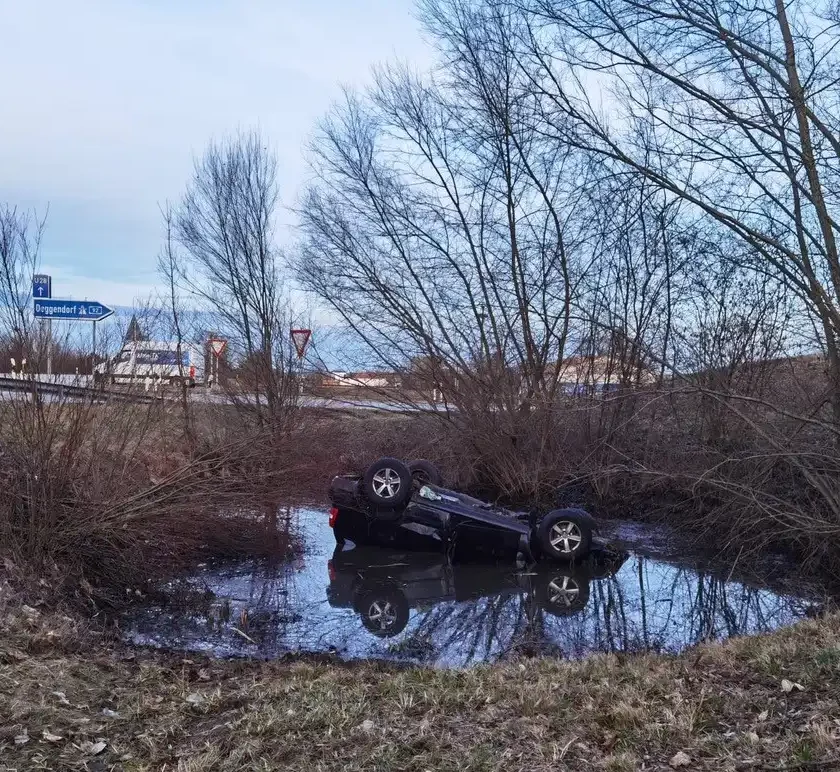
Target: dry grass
722	705
119	493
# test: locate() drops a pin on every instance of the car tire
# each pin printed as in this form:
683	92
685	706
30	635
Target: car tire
425	472
566	534
563	594
387	484
384	611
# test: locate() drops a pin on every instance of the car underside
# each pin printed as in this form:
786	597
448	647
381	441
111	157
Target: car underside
392	506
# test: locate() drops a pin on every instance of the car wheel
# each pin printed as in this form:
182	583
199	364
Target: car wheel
565	534
563	594
387	483
425	472
384	612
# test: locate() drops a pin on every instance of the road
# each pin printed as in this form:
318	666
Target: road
324	403
75	387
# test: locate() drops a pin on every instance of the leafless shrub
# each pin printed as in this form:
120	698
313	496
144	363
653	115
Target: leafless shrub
112	484
109	490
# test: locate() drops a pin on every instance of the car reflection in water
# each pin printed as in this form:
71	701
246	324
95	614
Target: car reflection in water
383	586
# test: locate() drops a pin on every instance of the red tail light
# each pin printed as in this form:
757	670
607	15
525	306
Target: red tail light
333	516
331	570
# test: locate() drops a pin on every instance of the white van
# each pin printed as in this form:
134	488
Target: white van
154	360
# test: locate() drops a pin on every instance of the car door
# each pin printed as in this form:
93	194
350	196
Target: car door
420	528
483	538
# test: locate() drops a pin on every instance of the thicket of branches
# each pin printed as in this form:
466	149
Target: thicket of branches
644	190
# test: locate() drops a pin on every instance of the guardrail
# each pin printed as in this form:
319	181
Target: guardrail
61	390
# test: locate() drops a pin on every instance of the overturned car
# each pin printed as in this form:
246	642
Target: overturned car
404	506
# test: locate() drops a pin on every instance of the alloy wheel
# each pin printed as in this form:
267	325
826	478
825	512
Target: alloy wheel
382	613
563	591
386	483
565	536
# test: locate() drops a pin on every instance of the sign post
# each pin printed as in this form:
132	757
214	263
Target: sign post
217	348
42	288
300	339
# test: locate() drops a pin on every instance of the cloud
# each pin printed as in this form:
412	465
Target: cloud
111	293
108	101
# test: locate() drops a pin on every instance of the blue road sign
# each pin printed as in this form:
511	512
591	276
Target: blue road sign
41	286
74	310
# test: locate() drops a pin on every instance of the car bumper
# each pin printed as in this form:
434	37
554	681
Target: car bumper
345	491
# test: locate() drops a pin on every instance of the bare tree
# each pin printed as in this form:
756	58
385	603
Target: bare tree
225	224
731	109
735	325
445	231
444	228
168	268
652	185
20	246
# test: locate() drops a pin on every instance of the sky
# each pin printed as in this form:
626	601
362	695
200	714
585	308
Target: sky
106	103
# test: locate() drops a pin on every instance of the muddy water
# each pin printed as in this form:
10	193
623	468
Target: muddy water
418	608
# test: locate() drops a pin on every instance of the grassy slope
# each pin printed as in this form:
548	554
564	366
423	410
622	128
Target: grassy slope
721	705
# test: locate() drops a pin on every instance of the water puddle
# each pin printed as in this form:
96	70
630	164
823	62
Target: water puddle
412	607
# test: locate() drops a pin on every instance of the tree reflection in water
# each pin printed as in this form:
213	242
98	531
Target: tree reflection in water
449	615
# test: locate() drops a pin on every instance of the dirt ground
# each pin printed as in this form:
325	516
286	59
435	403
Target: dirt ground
72	700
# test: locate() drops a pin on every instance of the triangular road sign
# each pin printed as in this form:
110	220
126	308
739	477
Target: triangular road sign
217	346
301	338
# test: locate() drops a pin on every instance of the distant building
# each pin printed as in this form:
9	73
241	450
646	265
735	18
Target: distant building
365	379
599	371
